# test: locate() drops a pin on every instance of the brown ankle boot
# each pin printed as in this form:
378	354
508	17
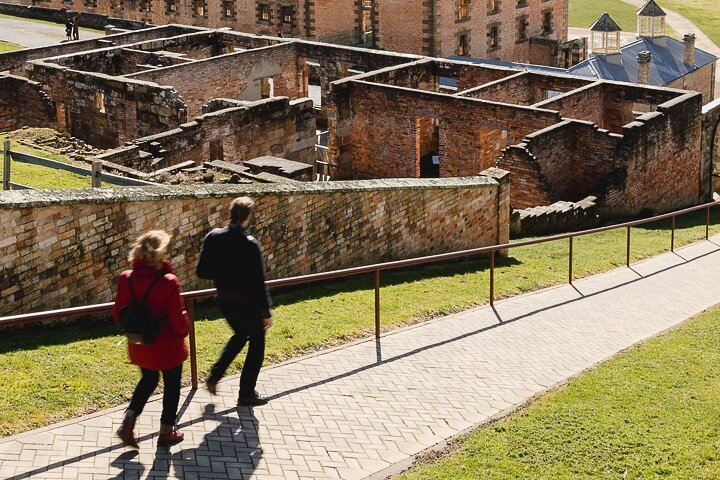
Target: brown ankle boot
126	431
169	436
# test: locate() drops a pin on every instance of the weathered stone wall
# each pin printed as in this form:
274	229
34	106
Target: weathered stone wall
276	126
464	149
201	81
710	168
701	80
655	164
64	248
23	102
107	112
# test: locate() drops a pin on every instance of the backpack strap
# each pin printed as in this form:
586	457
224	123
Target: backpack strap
147	292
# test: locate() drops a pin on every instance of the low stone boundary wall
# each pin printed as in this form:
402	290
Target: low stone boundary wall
66	248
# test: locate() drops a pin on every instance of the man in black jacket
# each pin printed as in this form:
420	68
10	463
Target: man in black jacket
232	258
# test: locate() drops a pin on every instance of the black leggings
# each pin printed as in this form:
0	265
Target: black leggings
171	392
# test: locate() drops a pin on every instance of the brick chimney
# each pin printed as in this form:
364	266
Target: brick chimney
689	54
643	72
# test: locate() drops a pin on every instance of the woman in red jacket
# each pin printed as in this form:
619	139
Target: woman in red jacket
152	274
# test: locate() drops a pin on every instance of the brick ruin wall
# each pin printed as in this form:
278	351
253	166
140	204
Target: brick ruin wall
64	248
201	81
463	149
655	164
278	127
701	80
23	102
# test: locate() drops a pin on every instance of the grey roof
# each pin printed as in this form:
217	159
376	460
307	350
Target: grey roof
452	82
605	24
651	9
666	64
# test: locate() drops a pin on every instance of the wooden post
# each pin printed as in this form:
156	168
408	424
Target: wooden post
6	164
96	175
377	303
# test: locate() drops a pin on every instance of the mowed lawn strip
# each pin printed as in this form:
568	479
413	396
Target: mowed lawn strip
8	47
583	13
59	372
650	412
39	177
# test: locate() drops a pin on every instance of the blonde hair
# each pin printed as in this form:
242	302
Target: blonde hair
151	247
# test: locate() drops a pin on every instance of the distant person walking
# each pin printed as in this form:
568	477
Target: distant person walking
152	282
232	258
68	29
75	28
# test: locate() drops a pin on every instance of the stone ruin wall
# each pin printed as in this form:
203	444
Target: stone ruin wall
23	102
64	248
655	164
278	127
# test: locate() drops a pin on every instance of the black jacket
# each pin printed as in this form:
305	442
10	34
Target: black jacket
232	258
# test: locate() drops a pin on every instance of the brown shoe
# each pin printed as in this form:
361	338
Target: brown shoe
170	438
126	433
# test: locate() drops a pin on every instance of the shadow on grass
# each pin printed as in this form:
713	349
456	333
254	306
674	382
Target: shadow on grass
689	220
37	336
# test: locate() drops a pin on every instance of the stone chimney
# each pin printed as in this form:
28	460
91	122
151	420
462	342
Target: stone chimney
689	54
643	72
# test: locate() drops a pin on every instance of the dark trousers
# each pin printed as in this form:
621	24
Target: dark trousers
247	327
171	392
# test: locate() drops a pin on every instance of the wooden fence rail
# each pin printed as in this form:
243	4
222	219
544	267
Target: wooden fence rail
97	176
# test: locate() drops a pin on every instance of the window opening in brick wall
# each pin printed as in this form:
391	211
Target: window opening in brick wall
100	102
90	3
199	8
521	3
547	22
228	8
171	6
263	12
267	87
427	147
494	37
145	6
522	25
463	10
493	7
287	13
463	48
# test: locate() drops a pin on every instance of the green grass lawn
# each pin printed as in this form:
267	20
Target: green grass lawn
583	13
651	412
703	13
39	177
59	372
8	47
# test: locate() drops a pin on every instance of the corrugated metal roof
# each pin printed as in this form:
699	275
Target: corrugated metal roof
605	24
666	64
651	9
515	65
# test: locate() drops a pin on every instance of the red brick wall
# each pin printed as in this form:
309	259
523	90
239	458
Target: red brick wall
24	103
68	252
201	81
461	142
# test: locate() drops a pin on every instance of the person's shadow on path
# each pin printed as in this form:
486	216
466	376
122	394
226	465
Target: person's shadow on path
232	448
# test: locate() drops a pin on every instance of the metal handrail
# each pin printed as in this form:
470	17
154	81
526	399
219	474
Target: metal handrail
375	269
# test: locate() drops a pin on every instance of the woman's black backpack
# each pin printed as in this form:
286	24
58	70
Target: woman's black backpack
137	320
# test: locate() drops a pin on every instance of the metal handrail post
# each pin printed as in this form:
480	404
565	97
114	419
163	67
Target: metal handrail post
377	303
627	258
492	278
193	346
672	235
570	260
707	223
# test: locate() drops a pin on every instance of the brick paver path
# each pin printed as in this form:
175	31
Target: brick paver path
366	409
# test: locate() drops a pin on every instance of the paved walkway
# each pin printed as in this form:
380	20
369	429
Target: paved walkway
366	409
33	34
